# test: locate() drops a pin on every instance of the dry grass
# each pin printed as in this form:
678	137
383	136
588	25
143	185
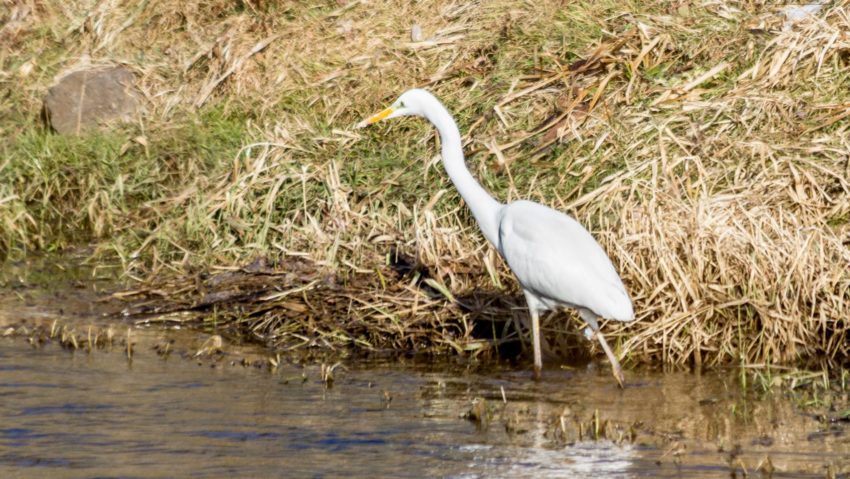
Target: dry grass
703	144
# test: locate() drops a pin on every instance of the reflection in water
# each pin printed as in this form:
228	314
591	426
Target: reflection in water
600	459
90	415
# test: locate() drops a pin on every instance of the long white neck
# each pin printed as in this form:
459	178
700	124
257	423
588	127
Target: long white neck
484	207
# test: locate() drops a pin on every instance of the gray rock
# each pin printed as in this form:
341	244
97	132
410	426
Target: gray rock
91	98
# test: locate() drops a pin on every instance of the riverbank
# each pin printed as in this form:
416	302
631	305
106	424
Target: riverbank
705	146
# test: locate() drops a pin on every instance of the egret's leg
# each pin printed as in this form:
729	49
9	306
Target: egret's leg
615	364
534	312
535	337
590	319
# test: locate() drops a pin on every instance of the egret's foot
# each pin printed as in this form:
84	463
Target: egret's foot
615	364
536	374
618	375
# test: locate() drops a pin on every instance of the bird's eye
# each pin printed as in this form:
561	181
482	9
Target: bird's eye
401	104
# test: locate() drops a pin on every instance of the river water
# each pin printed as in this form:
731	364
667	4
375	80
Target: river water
82	414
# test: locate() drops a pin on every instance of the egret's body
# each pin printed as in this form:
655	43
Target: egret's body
556	260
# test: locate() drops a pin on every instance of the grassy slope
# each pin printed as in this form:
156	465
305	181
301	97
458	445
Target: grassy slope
701	144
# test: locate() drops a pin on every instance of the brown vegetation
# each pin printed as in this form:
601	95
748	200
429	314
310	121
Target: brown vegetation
704	144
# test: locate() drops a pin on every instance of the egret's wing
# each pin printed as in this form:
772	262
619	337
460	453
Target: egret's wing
554	257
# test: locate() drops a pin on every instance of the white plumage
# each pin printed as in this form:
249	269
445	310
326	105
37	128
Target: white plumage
556	260
547	250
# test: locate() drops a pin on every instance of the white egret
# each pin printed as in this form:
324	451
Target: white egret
556	260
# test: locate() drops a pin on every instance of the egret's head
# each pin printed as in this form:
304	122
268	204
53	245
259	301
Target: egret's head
412	102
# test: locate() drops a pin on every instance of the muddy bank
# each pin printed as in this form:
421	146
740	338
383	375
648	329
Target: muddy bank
293	304
63	302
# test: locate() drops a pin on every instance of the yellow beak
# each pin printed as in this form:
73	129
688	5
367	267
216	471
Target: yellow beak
376	117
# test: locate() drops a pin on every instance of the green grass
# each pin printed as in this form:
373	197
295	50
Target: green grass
69	190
